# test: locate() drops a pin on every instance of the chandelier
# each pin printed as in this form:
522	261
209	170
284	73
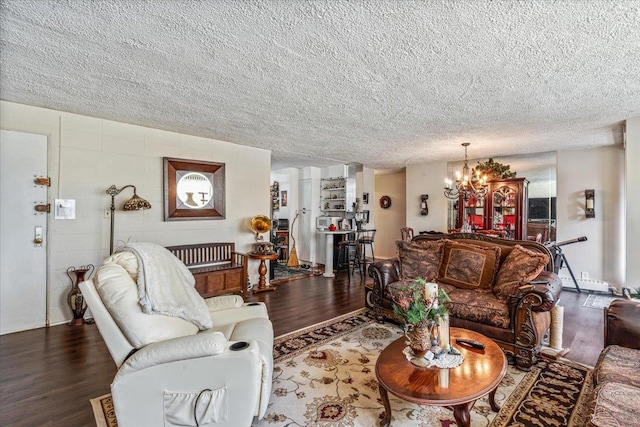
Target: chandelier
468	184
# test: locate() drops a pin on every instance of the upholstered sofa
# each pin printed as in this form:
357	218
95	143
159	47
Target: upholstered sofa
616	376
504	289
168	365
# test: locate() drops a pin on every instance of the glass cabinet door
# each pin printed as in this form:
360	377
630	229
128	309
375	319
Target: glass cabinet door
474	210
504	213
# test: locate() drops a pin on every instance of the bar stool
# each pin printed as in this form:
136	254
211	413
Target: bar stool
348	254
365	237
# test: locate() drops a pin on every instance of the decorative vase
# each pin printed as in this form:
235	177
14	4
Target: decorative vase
75	299
419	337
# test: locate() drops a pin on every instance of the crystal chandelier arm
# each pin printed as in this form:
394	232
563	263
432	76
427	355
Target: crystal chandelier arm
467	183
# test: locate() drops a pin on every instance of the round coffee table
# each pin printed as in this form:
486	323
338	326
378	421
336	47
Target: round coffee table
457	388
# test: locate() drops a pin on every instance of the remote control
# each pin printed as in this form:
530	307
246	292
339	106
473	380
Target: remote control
472	343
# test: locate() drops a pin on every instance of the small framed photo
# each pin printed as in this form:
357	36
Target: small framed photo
365	198
283	198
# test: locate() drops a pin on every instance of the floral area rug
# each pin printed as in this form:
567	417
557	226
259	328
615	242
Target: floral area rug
325	376
283	273
333	384
598	301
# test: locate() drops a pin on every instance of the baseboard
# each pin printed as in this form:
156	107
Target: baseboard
585	284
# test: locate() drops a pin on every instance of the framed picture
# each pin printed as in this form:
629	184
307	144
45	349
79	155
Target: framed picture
365	198
283	198
193	190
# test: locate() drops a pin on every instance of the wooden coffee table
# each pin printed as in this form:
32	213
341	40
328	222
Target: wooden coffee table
457	388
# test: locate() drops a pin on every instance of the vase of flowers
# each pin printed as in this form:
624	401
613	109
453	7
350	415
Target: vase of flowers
420	305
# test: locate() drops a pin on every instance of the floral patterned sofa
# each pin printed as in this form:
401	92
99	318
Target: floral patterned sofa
504	289
615	376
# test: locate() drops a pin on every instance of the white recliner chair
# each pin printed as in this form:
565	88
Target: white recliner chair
172	374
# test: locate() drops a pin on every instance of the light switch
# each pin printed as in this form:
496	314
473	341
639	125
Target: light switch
65	209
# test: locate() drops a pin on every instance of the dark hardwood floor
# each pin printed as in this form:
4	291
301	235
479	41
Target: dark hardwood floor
47	376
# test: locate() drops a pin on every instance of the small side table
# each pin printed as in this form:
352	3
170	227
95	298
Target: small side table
262	270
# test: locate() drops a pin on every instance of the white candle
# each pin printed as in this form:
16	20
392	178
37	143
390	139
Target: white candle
444	332
430	291
443	378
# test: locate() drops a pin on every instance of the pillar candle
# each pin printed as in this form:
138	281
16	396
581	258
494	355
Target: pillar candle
443	378
444	332
430	291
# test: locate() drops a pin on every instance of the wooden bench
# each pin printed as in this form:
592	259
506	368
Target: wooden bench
217	267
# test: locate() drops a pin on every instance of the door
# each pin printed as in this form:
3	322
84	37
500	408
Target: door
23	262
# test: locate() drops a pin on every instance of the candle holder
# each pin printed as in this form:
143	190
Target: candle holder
75	299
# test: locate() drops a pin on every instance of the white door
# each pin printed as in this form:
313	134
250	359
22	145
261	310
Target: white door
23	262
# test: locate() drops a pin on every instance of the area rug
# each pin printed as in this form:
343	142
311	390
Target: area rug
598	301
325	376
281	273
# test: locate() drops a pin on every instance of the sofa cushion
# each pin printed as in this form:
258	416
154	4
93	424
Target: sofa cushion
419	259
119	293
477	305
615	405
519	267
618	364
468	266
395	291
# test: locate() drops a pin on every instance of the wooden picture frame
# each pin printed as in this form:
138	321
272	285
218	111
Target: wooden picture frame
193	190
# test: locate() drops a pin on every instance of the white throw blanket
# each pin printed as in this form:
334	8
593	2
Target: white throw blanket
166	286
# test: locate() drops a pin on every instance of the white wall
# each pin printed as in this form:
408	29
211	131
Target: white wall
542	189
602	169
311	246
389	221
427	178
632	185
367	184
87	155
288	180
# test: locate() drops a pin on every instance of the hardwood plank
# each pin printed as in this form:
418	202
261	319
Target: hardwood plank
48	375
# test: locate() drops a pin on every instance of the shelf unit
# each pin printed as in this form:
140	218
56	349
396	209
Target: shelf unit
333	194
282	244
503	209
508	207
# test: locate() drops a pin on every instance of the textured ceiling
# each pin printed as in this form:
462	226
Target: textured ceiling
385	83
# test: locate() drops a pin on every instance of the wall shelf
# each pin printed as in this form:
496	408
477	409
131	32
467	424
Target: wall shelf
333	194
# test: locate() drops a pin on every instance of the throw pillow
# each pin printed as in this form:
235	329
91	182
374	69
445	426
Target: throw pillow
468	266
419	259
519	267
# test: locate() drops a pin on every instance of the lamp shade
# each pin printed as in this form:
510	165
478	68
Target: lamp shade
136	203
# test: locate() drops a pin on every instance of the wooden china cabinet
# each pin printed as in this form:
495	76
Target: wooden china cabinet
503	209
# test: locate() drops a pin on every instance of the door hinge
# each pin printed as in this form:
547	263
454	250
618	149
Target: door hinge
43	208
46	181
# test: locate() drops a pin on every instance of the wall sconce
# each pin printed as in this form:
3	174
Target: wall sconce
133	204
589	204
424	209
